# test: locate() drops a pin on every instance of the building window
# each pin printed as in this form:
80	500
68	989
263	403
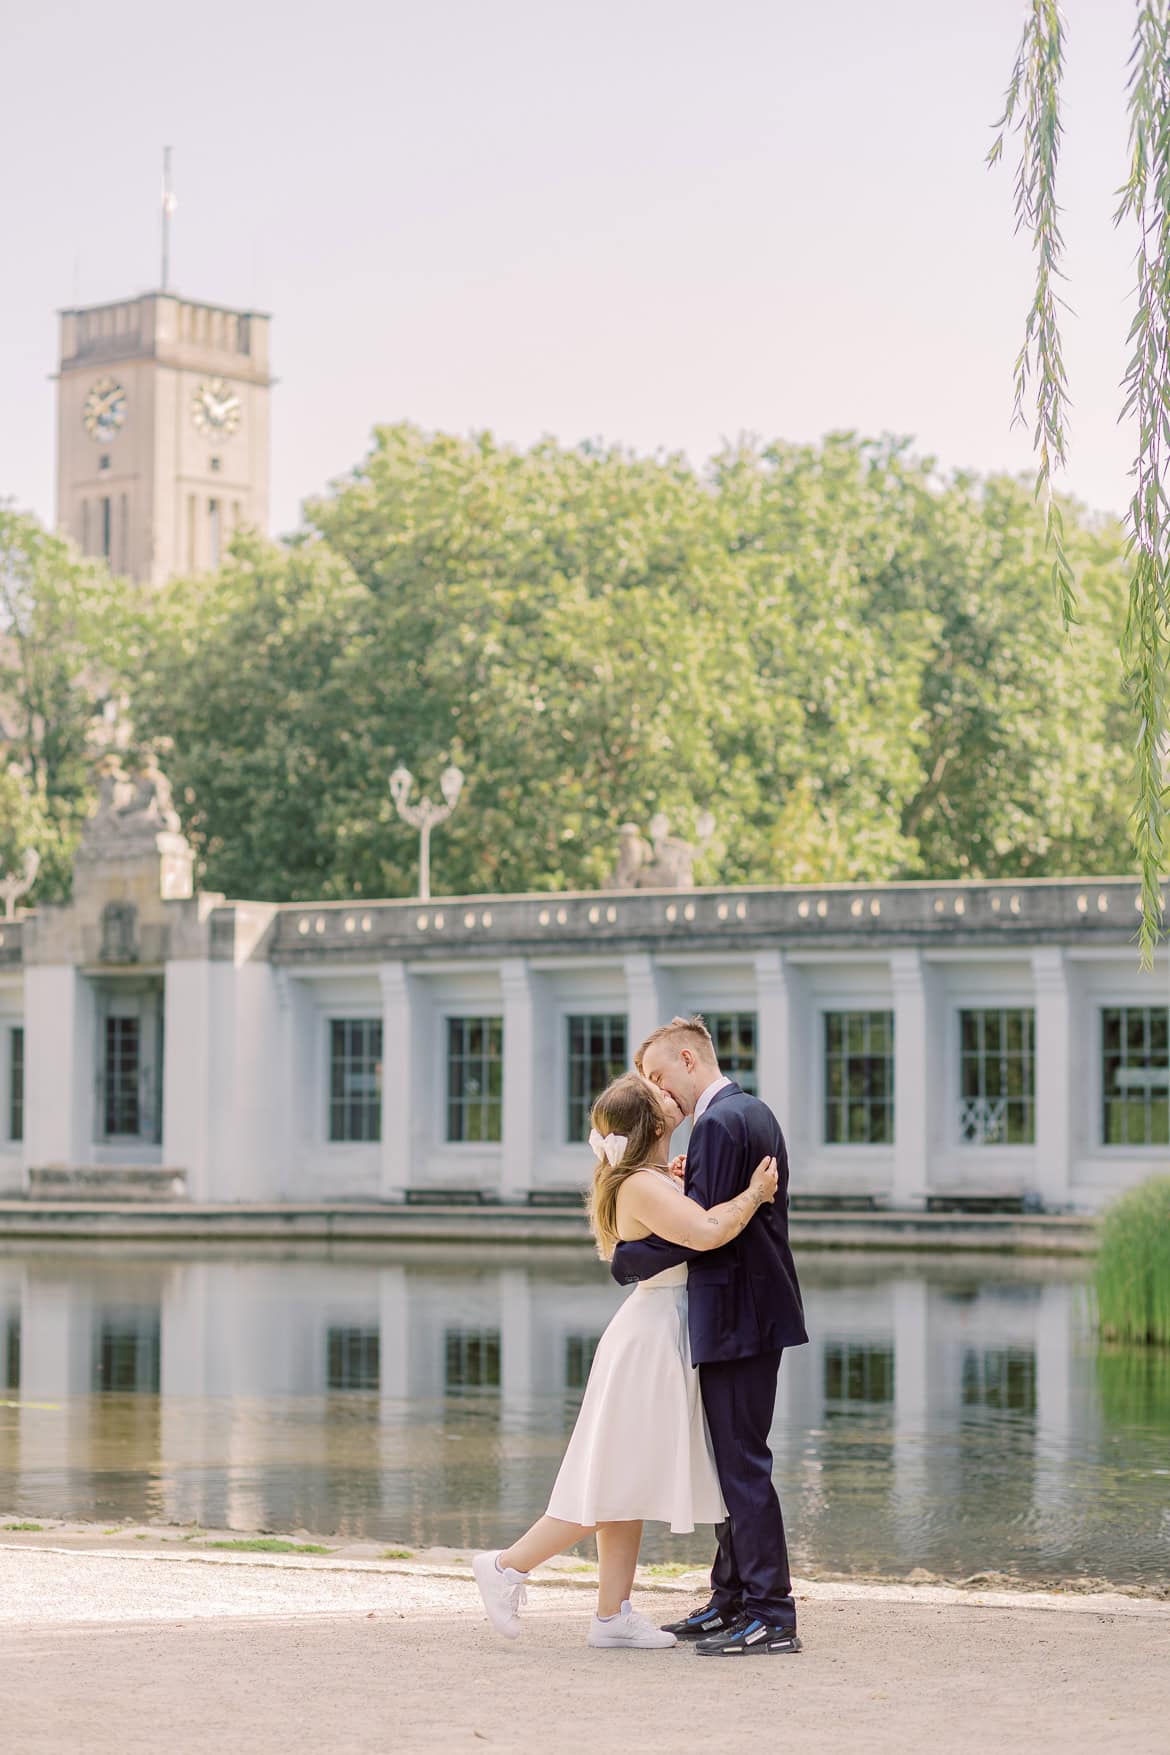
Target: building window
16	1083
355	1079
10	1351
122	1076
859	1078
214	528
85	527
597	1054
473	1358
106	530
124	535
858	1372
475	1078
192	536
127	1353
734	1036
353	1358
1135	1074
1003	1378
579	1351
997	1088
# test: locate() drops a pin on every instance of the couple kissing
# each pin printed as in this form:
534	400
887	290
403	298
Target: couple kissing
673	1426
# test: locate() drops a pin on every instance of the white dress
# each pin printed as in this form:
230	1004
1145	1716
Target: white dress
640	1448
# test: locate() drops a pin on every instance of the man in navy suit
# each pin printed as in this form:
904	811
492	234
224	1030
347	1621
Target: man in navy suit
744	1309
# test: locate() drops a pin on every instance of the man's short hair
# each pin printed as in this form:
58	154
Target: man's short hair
689	1032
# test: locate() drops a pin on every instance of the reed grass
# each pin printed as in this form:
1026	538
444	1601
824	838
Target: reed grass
1133	1266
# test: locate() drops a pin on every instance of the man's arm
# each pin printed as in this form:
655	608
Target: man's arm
648	1256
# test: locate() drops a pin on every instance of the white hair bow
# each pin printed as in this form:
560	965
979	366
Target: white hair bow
610	1146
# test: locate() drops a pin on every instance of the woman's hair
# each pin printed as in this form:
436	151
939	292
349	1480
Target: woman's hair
630	1106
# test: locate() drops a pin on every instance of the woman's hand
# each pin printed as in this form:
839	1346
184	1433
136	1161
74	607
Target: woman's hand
765	1181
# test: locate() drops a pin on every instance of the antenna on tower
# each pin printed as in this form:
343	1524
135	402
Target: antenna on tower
168	207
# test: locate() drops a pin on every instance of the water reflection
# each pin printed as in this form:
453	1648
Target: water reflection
953	1416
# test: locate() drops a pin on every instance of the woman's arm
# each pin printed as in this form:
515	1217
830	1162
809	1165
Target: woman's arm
671	1215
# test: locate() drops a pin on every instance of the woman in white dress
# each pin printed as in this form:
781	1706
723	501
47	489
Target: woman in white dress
640	1448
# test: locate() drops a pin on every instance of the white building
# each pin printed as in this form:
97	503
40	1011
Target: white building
912	1038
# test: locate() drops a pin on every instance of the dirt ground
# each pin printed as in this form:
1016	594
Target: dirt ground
119	1650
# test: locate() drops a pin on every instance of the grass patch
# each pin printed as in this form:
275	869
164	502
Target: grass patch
578	1566
24	1526
668	1569
270	1545
396	1554
1133	1266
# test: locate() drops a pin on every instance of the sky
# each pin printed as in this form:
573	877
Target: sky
660	223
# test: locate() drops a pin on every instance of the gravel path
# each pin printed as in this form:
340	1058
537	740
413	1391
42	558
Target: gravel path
184	1653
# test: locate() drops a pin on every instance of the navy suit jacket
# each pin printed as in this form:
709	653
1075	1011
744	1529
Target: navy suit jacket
743	1297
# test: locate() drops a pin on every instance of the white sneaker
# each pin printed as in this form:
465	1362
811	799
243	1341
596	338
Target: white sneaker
629	1631
503	1593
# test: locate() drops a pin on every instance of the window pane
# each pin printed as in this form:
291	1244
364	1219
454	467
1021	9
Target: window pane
859	1078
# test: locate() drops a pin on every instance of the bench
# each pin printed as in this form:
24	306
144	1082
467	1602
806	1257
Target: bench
964	1201
448	1197
835	1203
556	1197
120	1182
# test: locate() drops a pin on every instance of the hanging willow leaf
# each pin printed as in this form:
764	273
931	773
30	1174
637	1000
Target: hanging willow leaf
1145	199
1032	109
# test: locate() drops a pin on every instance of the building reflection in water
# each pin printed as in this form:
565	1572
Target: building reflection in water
946	1415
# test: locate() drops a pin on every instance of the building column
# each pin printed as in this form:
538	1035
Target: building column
187	1092
59	1063
1054	1061
783	1047
918	1068
522	1080
650	999
402	1101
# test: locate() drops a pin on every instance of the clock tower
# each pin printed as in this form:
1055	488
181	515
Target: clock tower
162	432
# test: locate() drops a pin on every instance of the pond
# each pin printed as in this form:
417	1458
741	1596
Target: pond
954	1415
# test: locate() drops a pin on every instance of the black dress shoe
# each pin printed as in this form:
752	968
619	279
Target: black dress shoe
702	1622
750	1637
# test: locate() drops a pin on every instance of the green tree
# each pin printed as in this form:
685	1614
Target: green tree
832	648
1032	109
62	628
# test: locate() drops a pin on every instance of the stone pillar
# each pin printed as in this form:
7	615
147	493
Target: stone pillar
650	998
188	1098
401	1097
522	1081
783	1046
918	1072
1054	1063
59	1066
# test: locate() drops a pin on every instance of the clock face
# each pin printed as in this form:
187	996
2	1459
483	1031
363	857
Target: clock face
105	410
215	409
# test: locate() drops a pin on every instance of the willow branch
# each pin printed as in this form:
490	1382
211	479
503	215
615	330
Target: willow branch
1145	199
1032	110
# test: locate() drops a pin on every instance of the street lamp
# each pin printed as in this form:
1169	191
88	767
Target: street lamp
424	815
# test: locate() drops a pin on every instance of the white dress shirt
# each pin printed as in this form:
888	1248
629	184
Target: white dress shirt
712	1090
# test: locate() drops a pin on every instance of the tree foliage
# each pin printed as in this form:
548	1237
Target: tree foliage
61	640
1032	109
844	657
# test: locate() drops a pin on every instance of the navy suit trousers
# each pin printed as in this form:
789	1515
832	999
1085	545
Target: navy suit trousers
751	1567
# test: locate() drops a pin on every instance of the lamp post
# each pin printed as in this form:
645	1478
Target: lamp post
424	815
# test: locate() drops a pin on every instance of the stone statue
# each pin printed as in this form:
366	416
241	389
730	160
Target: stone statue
665	862
131	808
18	884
